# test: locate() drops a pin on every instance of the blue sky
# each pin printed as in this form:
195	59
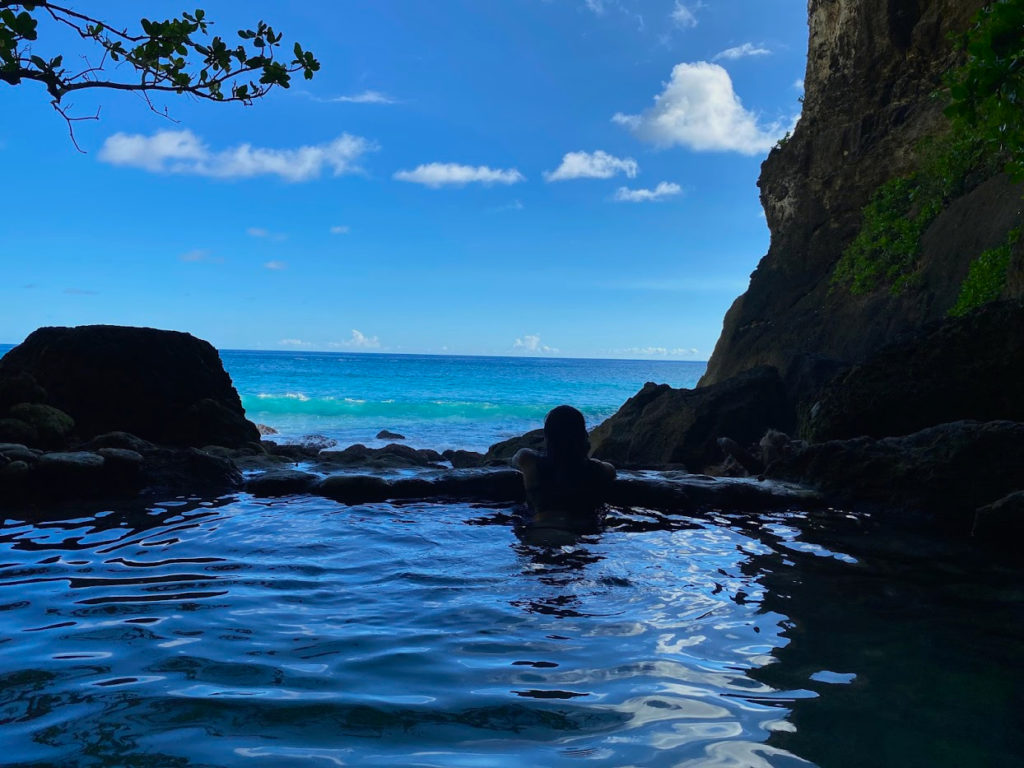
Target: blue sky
537	177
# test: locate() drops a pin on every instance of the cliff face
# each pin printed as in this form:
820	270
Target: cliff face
872	70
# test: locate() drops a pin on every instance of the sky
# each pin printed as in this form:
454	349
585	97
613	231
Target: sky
572	178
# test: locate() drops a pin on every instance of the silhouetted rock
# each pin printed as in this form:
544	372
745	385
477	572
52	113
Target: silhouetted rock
460	459
280	482
118	440
164	386
175	471
506	449
661	426
265	430
391	456
385	434
969	367
354	489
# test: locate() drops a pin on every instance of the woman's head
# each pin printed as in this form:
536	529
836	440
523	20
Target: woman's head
565	434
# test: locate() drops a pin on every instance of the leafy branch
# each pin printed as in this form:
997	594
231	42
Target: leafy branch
176	55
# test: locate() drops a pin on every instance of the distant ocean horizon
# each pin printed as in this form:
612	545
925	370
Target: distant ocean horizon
434	401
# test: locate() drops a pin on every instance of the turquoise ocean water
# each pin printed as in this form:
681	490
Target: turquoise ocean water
434	401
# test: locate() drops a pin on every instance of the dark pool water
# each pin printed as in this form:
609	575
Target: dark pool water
300	632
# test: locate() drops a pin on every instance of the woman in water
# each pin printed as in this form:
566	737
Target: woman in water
564	487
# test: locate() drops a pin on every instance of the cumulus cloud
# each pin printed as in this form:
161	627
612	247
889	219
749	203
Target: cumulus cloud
358	340
741	52
366	97
531	343
184	153
276	265
660	192
699	109
684	15
436	175
597	165
340	230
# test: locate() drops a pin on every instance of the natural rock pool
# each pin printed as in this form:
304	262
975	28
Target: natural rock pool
300	631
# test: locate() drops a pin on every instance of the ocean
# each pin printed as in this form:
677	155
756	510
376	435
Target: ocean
434	401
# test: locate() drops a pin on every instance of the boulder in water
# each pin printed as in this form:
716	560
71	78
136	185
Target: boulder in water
164	386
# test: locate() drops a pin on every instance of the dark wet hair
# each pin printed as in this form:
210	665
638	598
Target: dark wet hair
565	435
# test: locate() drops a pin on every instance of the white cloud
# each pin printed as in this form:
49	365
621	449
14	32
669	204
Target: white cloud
597	6
684	15
698	109
294	343
358	340
660	192
799	84
183	152
599	165
276	265
340	230
437	175
531	343
741	51
366	97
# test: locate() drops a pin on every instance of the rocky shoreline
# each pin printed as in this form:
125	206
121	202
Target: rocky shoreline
677	450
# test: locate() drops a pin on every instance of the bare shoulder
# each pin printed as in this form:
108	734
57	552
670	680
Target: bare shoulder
603	469
525	459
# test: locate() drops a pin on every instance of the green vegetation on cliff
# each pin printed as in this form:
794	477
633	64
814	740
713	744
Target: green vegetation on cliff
986	133
986	276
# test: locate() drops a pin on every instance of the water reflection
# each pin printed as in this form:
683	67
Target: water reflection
301	631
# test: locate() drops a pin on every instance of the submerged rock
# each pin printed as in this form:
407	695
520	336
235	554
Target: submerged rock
164	386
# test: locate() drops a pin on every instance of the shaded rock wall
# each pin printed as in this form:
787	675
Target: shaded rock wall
873	67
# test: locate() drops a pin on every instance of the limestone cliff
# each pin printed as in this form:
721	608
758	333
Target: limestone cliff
873	69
